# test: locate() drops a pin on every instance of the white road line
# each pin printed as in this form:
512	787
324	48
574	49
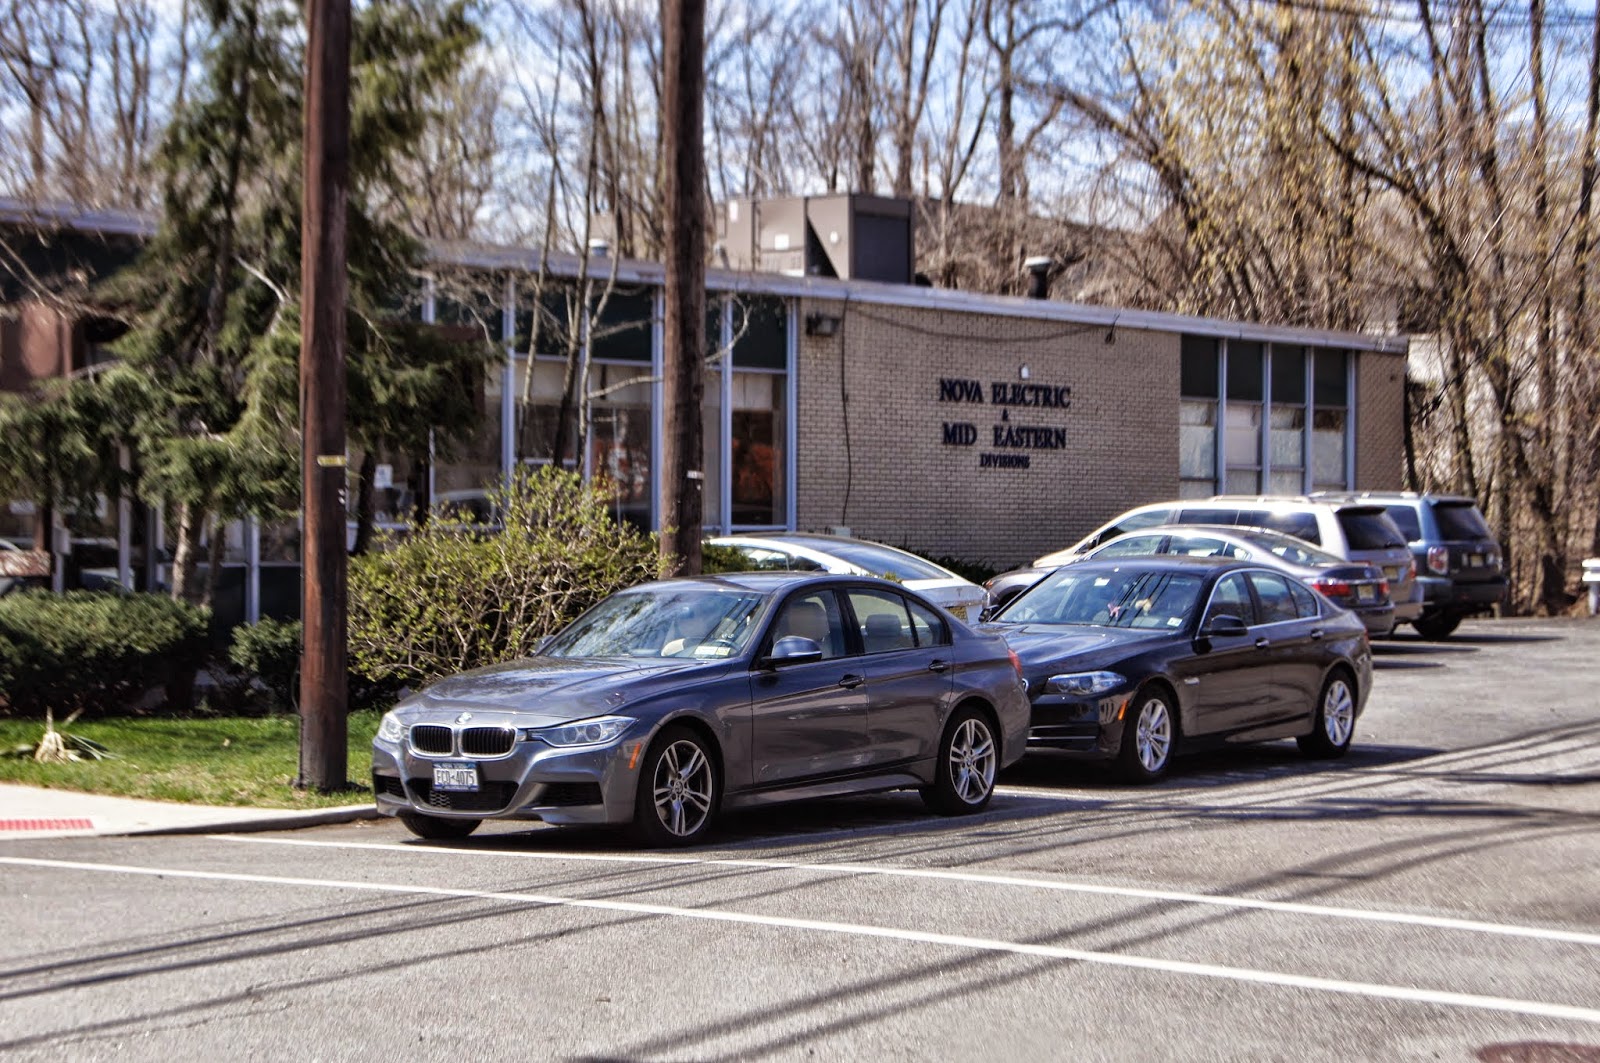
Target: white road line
1576	937
1406	994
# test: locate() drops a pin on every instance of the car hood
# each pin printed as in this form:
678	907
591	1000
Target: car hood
555	689
1090	647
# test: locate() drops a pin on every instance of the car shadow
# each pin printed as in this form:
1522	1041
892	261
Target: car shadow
1278	760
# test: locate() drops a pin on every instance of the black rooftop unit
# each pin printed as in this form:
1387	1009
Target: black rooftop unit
845	236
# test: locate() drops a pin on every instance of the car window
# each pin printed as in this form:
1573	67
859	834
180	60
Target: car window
678	620
1133	546
1231	598
928	626
1108	597
1460	520
1369	529
1300	525
815	616
1203	546
1294	551
1274	597
1212	515
1305	603
1405	518
760	559
884	621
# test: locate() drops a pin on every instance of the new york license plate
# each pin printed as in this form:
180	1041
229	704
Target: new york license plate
457	775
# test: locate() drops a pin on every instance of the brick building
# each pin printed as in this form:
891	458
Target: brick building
988	428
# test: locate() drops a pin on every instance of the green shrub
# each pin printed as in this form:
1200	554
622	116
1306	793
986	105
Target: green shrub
447	597
96	651
270	651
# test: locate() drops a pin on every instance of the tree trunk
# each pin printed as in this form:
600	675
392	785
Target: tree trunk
366	503
186	553
217	554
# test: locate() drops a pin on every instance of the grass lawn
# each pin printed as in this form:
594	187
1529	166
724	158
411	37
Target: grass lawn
227	761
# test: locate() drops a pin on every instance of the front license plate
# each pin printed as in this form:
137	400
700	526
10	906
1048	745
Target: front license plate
458	775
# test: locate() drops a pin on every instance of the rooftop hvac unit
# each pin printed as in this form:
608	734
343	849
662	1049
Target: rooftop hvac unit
847	236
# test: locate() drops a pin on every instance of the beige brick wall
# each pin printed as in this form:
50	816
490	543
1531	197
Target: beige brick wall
1380	421
871	450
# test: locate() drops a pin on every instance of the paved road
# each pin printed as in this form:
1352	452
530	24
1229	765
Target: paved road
1434	896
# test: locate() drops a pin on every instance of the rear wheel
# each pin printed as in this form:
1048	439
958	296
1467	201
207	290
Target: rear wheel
963	774
1336	720
679	789
437	828
1148	734
1436	626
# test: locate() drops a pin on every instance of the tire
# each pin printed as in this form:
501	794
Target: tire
1437	626
1149	735
1335	723
437	828
680	790
964	771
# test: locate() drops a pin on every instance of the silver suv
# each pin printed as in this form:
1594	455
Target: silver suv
1459	566
1354	530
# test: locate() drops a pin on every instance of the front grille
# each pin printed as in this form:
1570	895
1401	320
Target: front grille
569	794
487	741
388	784
431	738
492	798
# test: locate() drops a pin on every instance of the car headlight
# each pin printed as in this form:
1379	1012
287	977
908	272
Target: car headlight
1081	683
595	732
391	729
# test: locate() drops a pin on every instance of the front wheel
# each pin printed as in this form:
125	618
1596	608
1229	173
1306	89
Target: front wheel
1336	720
678	790
437	828
963	774
1437	626
1148	734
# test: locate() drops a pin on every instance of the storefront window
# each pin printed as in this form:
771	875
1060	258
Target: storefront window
757	441
1197	418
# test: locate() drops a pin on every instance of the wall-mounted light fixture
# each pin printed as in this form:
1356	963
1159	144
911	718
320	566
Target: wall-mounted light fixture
821	324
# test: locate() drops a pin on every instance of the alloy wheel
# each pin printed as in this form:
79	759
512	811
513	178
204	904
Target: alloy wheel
683	788
1153	735
1338	713
972	761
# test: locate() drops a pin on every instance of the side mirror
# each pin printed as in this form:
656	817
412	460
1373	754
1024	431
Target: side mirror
1225	626
792	649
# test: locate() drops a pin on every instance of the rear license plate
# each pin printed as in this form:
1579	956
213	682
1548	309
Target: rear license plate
1475	560
1366	594
1393	574
456	775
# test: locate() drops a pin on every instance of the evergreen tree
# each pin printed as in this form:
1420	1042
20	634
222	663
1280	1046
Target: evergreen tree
211	359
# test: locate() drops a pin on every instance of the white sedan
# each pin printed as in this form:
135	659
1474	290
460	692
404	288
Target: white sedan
805	552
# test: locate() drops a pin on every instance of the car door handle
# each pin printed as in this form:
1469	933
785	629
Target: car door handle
850	682
1316	634
937	665
1262	644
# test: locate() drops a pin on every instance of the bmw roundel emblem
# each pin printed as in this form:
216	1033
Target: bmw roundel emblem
464	717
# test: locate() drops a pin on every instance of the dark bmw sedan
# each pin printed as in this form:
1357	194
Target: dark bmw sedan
671	701
1135	660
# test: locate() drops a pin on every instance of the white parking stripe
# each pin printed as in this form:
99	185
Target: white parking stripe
1576	937
1406	994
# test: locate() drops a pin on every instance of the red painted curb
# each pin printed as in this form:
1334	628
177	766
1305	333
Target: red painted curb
46	824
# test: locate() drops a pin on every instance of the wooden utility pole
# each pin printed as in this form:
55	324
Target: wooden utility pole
324	285
683	445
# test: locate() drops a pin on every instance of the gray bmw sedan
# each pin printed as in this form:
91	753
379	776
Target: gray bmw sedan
671	701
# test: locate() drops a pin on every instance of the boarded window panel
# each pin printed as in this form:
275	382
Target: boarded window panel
1197	440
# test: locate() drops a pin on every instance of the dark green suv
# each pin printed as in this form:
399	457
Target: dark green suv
1458	561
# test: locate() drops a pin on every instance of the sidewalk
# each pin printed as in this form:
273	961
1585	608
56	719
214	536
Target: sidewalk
33	812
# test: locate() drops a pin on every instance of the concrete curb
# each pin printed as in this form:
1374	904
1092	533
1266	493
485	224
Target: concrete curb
296	821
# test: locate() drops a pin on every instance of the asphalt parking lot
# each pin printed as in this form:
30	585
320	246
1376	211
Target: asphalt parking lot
1433	896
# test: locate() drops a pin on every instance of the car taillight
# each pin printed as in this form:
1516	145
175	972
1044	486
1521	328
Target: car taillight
1334	588
1016	662
1411	568
1383	586
1438	559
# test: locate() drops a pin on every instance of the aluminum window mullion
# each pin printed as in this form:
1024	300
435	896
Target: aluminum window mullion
1264	436
1350	420
1219	462
791	430
657	397
725	424
508	386
1308	430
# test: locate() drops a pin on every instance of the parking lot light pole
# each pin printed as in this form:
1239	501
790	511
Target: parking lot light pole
324	285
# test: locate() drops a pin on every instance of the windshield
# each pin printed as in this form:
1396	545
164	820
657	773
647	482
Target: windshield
876	559
1108	597
1288	548
1460	520
677	620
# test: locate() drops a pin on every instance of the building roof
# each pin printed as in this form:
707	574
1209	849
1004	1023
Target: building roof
635	271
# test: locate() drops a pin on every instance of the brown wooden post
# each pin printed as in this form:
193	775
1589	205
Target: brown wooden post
683	385
324	286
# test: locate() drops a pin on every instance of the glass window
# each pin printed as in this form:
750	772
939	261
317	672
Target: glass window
1305	603
1244	371
1202	546
1197	441
757	449
1289	438
1199	367
1289	375
760	334
928	626
875	558
1092	595
1460	520
1231	598
883	620
1328	449
815	616
624	331
681	619
1276	602
1149	518
1209	515
1244	434
711	416
1369	530
1301	525
1405	518
1331	382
